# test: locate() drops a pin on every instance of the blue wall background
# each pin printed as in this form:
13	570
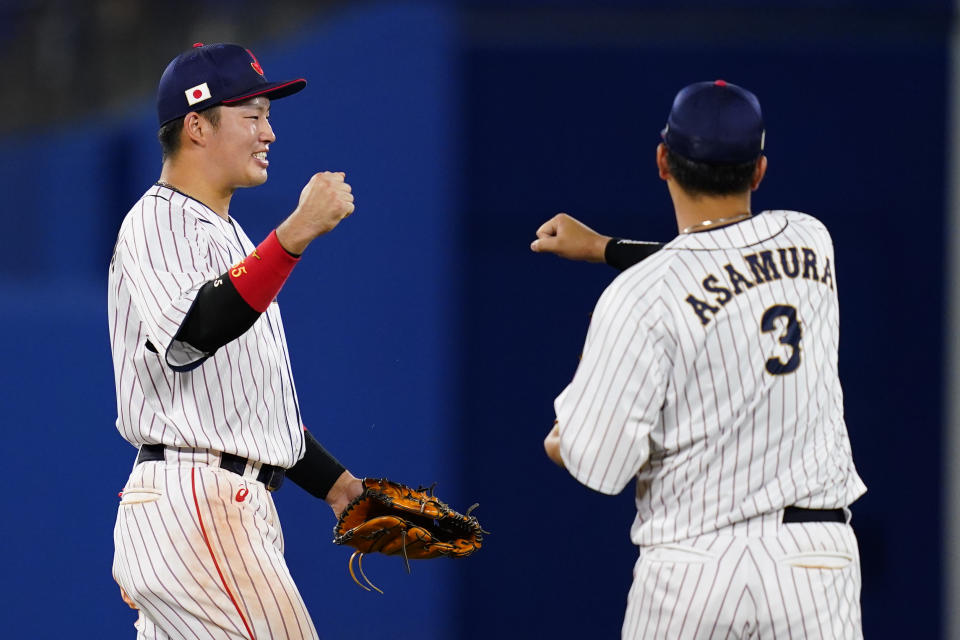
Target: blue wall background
428	342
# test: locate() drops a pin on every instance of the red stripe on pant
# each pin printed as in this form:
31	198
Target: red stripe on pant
206	539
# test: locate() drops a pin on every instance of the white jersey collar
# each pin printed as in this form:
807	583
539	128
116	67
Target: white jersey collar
756	229
189	203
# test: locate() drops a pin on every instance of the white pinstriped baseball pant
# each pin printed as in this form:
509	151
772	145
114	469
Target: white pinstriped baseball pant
199	549
800	581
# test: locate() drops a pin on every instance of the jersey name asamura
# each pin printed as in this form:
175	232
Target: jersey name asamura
709	373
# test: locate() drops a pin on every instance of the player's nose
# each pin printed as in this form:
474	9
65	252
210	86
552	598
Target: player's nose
266	133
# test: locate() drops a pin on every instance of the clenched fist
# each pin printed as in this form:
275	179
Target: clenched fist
324	202
569	238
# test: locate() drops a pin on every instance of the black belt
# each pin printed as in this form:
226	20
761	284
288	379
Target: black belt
269	475
799	514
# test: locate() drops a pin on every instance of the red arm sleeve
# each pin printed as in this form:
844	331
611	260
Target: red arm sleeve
259	277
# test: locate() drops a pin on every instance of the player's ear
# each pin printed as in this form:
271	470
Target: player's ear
662	161
758	173
196	129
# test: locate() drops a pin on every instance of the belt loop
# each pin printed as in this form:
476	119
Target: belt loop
271	477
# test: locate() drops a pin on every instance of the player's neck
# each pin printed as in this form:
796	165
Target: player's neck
192	182
708	212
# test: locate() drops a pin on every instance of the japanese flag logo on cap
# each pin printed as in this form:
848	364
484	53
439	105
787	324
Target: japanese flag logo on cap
197	94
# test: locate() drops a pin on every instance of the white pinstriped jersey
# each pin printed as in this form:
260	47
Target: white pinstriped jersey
709	373
242	399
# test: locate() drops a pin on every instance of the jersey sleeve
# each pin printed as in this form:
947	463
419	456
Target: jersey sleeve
606	413
165	260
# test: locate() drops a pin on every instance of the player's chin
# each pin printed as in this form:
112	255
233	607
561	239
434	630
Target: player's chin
256	178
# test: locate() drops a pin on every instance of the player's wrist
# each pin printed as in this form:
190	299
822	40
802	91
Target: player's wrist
292	237
599	248
344	490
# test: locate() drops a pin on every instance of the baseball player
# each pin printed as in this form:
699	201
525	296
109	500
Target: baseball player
709	374
203	379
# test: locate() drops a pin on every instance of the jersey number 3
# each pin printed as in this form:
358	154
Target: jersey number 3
790	337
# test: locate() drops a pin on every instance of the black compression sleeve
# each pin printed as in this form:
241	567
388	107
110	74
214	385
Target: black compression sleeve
622	254
218	315
317	470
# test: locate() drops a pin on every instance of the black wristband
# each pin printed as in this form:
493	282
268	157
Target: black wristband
317	470
622	254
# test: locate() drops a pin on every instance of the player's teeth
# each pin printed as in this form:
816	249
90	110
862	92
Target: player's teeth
262	155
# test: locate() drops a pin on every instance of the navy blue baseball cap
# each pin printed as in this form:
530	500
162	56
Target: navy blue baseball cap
715	123
212	74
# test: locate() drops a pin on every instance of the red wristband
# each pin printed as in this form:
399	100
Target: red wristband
259	277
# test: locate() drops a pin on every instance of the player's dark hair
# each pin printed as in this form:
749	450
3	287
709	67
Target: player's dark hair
169	134
702	179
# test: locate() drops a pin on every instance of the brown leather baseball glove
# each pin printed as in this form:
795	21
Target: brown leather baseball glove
394	519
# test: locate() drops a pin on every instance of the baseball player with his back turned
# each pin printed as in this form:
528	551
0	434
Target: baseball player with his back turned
709	374
203	379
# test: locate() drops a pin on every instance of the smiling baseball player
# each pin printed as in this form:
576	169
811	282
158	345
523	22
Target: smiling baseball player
709	375
203	380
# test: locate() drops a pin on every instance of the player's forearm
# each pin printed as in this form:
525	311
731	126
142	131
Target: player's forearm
569	238
225	308
622	254
318	471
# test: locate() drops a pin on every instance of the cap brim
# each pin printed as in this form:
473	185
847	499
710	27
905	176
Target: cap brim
272	90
